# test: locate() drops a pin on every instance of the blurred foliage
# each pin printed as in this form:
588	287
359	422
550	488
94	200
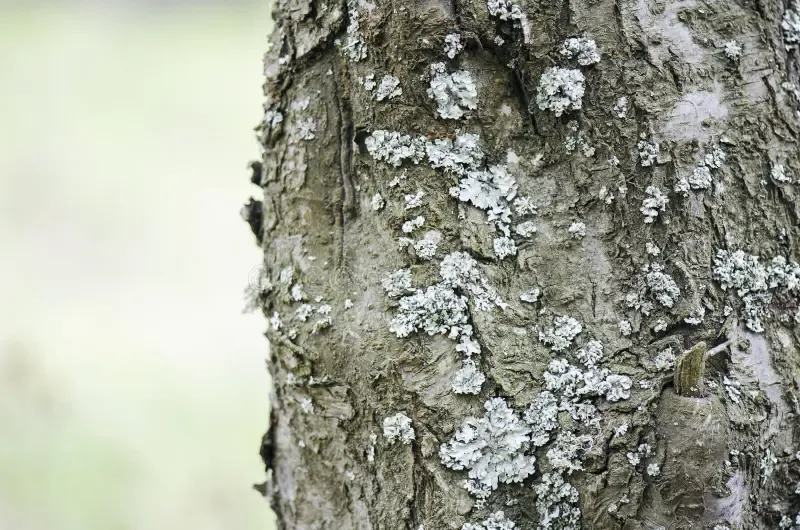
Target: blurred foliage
134	393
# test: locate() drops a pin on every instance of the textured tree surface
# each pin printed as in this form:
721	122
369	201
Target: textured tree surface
655	458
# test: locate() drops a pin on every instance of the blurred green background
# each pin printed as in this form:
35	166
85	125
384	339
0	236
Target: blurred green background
133	392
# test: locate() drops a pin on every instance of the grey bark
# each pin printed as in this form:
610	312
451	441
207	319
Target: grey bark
721	462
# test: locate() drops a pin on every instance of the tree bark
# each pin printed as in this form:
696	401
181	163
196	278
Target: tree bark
723	453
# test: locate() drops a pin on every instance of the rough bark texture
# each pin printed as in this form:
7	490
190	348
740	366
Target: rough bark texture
722	460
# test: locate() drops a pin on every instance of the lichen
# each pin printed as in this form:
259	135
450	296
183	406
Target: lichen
452	45
665	360
412	201
525	229
468	379
733	50
455	93
496	521
425	248
354	47
791	25
754	283
413	224
557	503
655	202
493	448
661	285
560	336
648	151
542	416
388	89
778	173
456	156
394	147
504	247
577	230
560	90
436	310
398	428
582	49
621	107
459	270
504	9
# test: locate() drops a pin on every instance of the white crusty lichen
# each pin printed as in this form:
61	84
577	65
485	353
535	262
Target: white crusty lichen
524	206
665	360
425	248
577	230
560	90
542	416
525	229
560	336
303	312
493	448
786	522
754	283
398	283
591	353
791	25
618	387
625	328
621	107
504	10
398	428
564	454
459	270
370	450
732	389
648	151
468	379
454	93
437	309
307	129
413	224
496	521
490	190
377	202
354	47
457	156
582	49
504	247
557	503
733	50
388	89
531	296
394	147
701	177
778	174
655	202
297	293
573	383
661	285
412	201
695	318
452	45
368	81
275	322
306	405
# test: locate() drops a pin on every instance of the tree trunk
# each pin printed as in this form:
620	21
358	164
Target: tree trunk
455	191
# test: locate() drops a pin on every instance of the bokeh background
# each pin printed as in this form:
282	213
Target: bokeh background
133	392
